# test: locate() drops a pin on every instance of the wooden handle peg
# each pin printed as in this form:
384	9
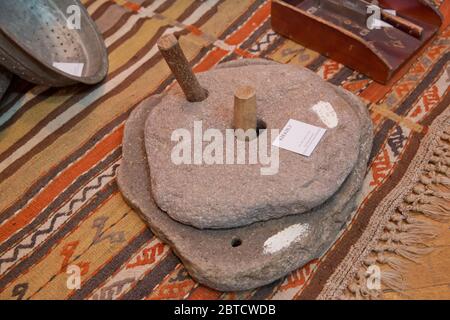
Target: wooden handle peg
171	51
245	109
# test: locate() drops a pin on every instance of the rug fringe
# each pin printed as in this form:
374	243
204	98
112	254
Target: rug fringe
404	239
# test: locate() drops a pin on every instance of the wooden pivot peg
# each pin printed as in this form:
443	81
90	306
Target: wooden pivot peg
171	51
245	111
402	24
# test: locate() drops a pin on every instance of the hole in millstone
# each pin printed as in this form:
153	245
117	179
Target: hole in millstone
236	242
260	126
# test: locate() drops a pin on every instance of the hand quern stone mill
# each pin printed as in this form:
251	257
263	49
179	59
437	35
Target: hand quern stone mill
248	171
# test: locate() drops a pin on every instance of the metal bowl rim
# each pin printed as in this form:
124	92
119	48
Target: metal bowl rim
97	77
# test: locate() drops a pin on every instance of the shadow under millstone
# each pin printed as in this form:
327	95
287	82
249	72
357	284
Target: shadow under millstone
5	80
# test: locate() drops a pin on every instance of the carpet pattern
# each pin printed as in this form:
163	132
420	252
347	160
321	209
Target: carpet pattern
60	149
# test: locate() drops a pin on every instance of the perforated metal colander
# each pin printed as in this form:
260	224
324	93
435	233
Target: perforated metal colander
40	42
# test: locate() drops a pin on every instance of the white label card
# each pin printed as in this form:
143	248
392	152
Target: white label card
74	69
299	137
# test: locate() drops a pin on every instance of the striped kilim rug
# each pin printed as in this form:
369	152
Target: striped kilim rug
60	149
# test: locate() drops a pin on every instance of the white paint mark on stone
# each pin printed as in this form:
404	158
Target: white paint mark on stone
285	238
326	113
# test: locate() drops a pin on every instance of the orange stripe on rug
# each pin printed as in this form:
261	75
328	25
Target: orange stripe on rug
235	39
211	60
445	9
249	26
204	293
60	183
132	6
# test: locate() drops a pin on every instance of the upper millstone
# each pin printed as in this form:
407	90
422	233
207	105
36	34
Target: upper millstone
222	195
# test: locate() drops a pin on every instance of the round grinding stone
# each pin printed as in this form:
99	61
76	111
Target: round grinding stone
220	196
251	256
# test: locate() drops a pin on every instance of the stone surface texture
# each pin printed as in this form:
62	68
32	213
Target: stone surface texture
267	250
225	196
